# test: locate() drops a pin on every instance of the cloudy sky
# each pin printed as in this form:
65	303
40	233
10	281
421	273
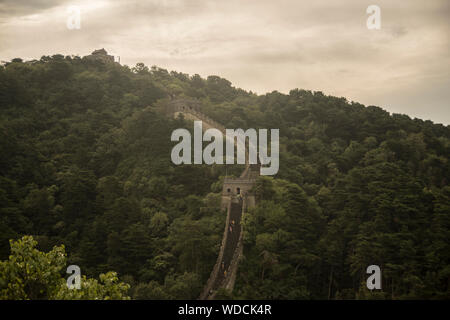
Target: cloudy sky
259	45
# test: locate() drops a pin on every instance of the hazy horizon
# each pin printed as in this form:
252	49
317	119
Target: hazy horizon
259	46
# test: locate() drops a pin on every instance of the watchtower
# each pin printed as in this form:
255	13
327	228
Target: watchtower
101	55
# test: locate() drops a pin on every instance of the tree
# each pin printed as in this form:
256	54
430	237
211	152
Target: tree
32	274
140	68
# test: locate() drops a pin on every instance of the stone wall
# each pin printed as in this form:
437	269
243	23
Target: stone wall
237	197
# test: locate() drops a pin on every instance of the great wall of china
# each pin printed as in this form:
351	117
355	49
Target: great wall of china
236	199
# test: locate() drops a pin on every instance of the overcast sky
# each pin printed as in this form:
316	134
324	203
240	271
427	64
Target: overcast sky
259	45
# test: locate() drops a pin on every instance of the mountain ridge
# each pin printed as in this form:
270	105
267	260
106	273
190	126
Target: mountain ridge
85	162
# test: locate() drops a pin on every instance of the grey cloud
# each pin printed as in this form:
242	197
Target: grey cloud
398	31
9	8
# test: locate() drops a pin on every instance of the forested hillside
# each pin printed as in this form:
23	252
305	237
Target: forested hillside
85	162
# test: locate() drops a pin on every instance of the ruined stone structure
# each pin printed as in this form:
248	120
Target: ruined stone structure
101	55
237	197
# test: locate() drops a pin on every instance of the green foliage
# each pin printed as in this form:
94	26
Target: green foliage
33	274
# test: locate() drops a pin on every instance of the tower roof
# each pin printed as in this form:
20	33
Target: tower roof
100	51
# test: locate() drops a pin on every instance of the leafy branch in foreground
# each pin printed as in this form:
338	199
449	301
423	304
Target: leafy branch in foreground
33	274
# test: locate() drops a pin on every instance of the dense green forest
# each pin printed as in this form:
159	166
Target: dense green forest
85	163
